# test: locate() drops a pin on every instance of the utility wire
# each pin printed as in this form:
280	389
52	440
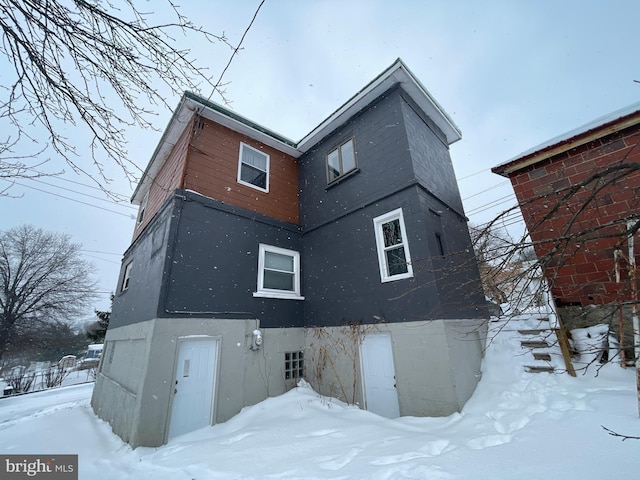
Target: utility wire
235	50
125	198
66	198
103	253
82	193
486	190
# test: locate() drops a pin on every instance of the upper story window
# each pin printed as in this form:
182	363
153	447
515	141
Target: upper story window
126	277
341	160
253	168
393	249
278	273
143	208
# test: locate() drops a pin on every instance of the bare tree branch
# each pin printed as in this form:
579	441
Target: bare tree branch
91	63
615	434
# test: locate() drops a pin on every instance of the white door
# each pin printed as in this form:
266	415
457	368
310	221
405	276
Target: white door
193	385
379	375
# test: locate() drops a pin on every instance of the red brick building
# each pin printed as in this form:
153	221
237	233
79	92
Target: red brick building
578	192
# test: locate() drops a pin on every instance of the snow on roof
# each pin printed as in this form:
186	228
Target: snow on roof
576	132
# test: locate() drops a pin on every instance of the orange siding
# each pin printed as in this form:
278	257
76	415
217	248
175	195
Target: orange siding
167	180
212	170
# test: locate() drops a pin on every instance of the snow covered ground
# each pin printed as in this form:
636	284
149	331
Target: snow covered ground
516	425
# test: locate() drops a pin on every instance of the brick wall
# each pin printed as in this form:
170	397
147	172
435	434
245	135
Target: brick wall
574	205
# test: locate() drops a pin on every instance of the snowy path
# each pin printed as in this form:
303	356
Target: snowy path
516	425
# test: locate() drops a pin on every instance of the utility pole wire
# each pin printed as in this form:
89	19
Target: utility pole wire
235	50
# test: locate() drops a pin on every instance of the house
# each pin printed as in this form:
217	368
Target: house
579	197
343	258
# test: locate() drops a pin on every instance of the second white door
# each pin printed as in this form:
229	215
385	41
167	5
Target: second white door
379	376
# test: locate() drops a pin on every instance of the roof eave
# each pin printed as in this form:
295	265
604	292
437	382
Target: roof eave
546	151
191	104
397	73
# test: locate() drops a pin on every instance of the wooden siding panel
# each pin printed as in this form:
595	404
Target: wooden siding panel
212	170
168	178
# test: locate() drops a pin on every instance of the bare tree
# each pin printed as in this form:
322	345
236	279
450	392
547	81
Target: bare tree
43	280
91	63
498	263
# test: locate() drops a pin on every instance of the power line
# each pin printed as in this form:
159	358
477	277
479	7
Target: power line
235	50
82	193
491	204
473	174
103	253
125	198
102	259
66	198
486	190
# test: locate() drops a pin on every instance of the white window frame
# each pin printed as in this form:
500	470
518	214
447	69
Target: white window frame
126	277
249	184
143	208
274	293
378	222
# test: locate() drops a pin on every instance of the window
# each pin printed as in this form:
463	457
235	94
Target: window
143	207
253	168
293	365
278	273
393	249
341	161
439	244
126	277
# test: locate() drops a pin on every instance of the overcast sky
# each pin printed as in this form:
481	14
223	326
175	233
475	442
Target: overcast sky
511	74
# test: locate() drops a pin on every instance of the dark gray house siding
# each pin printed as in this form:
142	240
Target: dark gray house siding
384	164
147	256
431	162
194	272
402	163
207	267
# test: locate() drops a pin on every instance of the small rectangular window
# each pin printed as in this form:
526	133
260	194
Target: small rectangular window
278	273
393	249
253	168
341	160
293	365
126	277
143	208
439	244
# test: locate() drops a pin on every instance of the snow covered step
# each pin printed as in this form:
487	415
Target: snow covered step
539	368
544	356
535	344
535	331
